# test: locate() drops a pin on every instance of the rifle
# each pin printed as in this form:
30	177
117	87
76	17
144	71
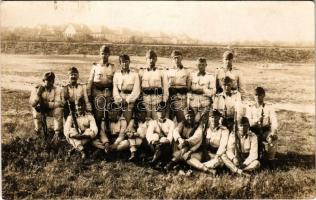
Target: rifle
73	117
204	143
43	109
238	152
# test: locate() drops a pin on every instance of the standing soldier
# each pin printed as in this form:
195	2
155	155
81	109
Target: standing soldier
100	85
228	71
154	85
126	87
73	91
228	102
159	136
47	100
242	149
263	122
202	89
80	128
179	82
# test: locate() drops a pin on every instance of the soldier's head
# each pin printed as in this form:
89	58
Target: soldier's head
176	57
114	111
215	118
244	126
49	79
201	64
161	110
260	93
228	58
189	116
228	84
105	53
73	75
124	61
81	105
151	58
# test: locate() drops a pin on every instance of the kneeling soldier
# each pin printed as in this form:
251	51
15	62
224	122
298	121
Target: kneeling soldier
80	128
126	87
263	122
47	100
216	139
159	136
242	149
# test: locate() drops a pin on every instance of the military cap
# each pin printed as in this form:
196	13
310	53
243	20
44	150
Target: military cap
161	106
49	76
227	80
175	53
228	55
81	101
151	54
73	70
124	57
244	121
217	113
188	111
105	49
202	60
260	91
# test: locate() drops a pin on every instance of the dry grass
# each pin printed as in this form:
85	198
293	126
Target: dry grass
31	169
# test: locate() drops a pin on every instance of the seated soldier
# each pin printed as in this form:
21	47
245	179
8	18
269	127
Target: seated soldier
188	137
216	139
80	128
136	130
159	136
242	149
113	137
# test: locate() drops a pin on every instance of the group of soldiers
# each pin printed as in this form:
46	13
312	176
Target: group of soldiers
172	114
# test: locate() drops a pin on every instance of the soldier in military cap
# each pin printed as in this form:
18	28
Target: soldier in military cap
263	122
47	100
100	84
81	128
159	136
113	137
216	139
73	91
126	87
188	138
179	82
202	89
228	71
228	103
154	85
242	150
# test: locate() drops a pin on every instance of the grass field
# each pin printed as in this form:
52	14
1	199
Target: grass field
31	169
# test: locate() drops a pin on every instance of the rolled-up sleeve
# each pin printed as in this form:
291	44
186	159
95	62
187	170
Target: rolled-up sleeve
253	153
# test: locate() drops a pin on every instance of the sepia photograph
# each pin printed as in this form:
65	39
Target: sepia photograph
157	99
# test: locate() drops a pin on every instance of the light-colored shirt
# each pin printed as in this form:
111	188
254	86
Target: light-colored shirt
101	74
76	92
53	97
248	145
158	129
204	83
226	104
178	77
85	122
123	81
155	79
256	111
218	139
234	74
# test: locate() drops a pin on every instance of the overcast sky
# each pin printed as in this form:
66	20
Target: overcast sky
209	21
